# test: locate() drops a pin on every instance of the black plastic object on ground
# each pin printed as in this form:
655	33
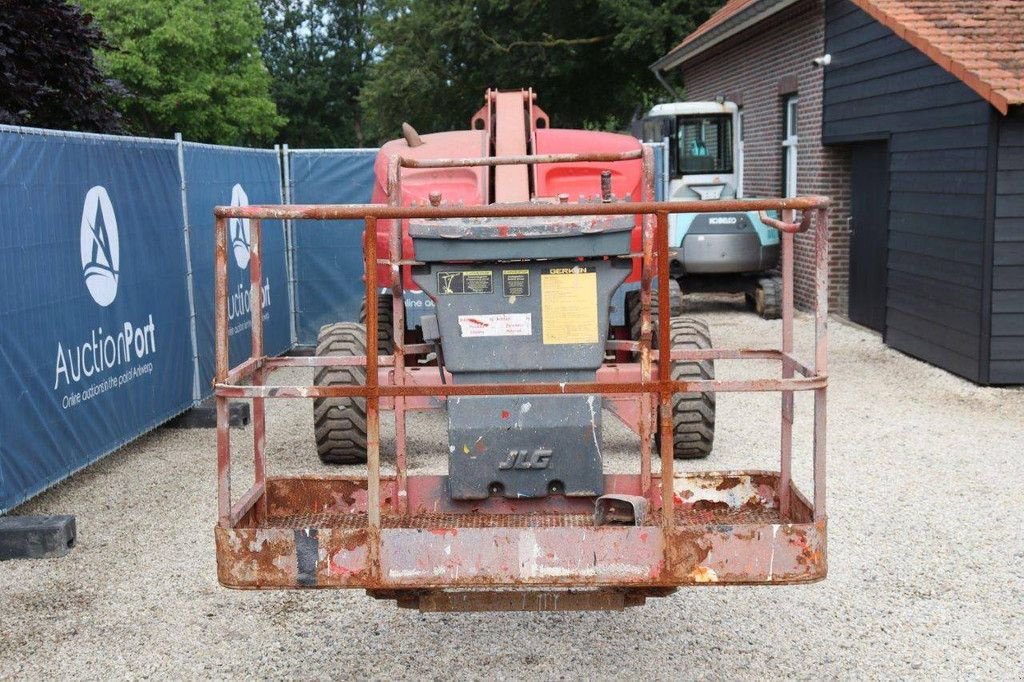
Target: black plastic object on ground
36	537
204	416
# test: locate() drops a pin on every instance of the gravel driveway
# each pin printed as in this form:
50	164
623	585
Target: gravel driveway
926	565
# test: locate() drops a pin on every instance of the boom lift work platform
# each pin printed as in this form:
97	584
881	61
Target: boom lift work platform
522	279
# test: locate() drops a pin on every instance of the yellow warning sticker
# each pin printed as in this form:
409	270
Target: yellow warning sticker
568	303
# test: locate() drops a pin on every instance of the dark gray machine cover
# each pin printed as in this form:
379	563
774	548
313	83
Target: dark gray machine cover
507	319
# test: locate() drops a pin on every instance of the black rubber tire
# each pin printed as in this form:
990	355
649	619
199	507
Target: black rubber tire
767	297
340	423
385	323
693	414
675	304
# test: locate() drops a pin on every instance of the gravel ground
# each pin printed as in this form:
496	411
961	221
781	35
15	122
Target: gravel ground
926	545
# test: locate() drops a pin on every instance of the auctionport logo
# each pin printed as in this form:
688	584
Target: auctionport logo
100	246
102	360
239	301
238	229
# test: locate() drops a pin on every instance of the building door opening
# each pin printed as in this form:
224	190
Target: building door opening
869	233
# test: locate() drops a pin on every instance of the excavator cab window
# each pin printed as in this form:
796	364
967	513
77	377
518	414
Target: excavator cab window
704	144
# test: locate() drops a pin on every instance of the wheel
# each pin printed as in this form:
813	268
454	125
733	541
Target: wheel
693	414
675	305
340	423
767	297
385	323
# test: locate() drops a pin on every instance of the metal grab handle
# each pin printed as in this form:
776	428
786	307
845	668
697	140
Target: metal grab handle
783	226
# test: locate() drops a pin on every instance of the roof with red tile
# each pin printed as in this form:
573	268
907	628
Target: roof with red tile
981	42
719	26
724	13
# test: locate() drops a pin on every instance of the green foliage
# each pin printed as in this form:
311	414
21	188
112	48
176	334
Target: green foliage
348	72
191	66
318	52
587	59
48	77
646	30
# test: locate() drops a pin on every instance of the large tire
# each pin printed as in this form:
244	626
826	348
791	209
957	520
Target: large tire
767	297
385	323
693	414
340	423
675	304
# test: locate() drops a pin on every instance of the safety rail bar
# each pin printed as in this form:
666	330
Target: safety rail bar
248	368
655	252
536	210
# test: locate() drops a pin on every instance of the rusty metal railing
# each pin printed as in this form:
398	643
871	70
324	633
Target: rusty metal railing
229	381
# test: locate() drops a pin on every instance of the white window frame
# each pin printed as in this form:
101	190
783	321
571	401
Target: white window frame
738	132
789	145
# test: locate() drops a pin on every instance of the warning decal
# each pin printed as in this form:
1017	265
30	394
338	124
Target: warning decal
504	324
568	306
515	282
465	282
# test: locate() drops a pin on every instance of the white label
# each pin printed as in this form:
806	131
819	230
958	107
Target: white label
505	324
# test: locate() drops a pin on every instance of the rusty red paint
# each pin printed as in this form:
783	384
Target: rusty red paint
711	542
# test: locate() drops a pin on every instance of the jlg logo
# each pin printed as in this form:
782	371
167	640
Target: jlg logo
524	459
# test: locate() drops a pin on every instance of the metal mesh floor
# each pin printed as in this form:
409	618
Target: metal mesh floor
683	517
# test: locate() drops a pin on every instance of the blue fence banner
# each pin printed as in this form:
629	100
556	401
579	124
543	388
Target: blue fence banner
106	264
226	176
94	320
328	255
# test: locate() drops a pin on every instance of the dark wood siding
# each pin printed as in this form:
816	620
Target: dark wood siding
1007	356
939	133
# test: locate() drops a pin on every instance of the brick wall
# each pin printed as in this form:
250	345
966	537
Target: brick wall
757	69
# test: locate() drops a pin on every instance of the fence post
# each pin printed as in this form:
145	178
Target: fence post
285	160
197	393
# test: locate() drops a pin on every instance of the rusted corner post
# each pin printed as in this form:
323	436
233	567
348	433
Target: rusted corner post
646	275
372	395
220	284
401	498
820	355
786	440
664	373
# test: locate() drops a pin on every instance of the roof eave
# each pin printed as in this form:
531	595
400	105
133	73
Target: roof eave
741	21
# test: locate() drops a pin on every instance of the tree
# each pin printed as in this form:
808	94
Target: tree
645	30
587	59
318	52
48	77
191	66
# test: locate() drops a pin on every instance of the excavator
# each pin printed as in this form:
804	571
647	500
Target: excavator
724	251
